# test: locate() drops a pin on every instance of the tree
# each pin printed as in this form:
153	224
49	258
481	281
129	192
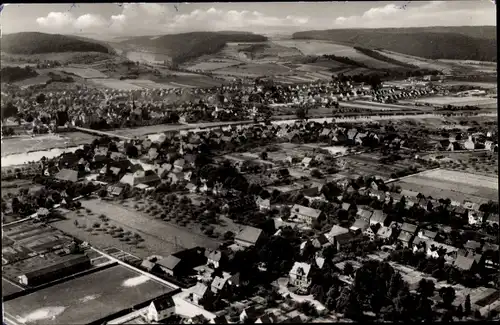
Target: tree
8	110
263	155
301	113
348	269
131	151
448	295
426	288
316	173
40	99
467	305
103	193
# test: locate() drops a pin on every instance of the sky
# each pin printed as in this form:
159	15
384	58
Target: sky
122	19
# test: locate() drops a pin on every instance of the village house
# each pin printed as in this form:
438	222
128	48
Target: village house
191	188
359	226
215	258
475	217
251	314
308	215
364	214
300	276
198	292
263	204
427	234
347	240
306	162
182	262
492	219
249	236
407	234
160	309
221	284
68	175
335	231
378	217
148	177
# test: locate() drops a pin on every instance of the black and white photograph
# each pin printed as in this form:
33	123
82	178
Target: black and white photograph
249	162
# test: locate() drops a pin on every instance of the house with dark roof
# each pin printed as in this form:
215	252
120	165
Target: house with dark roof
359	226
251	314
249	236
346	240
220	284
267	318
146	177
427	234
161	308
321	241
472	246
171	265
465	263
335	231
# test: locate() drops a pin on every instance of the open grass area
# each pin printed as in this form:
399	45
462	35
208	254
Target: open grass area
455	185
83	72
160	238
315	47
115	84
458	101
24	144
419	62
85	299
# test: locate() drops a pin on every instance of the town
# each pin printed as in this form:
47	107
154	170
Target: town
348	199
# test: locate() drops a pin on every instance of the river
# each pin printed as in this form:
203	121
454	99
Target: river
20	159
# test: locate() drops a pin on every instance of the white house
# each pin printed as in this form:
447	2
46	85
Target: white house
475	217
160	308
300	276
306	214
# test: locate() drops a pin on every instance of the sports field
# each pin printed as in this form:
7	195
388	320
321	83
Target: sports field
85	299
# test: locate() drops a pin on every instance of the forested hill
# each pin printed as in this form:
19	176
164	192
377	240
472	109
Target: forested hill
37	43
187	46
454	43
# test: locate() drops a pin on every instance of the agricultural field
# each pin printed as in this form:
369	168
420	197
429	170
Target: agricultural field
419	62
480	163
455	185
8	287
85	299
38	80
159	237
86	73
115	84
368	164
25	144
315	47
478	66
458	101
149	84
212	65
253	69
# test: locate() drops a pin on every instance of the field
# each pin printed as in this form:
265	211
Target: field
479	163
159	237
478	66
315	47
38	80
419	62
25	239
253	69
115	84
455	185
23	144
85	299
86	73
9	288
458	101
369	165
212	65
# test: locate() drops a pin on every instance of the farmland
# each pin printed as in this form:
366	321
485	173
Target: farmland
419	62
458	101
212	65
252	69
86	73
323	47
85	299
480	163
455	185
25	144
160	237
115	84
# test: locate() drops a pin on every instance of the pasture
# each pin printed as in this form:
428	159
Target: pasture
86	73
455	185
458	101
86	299
315	47
419	62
